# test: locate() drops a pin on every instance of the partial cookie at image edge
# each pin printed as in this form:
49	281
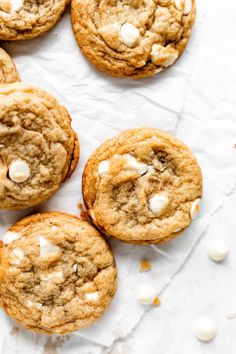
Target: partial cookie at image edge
8	71
56	238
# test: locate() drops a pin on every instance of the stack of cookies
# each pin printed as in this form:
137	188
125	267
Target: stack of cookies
57	272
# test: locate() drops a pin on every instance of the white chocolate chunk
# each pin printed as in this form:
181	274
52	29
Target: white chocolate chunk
145	294
163	56
74	268
16	5
18	255
129	35
31	304
150	170
111	34
204	329
52	276
103	168
184	5
64	137
195	208
178	229
92	296
54	228
158	202
218	250
10	237
140	167
19	171
47	249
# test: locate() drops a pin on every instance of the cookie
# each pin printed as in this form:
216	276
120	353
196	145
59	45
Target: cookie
38	148
143	186
57	274
132	38
23	19
8	72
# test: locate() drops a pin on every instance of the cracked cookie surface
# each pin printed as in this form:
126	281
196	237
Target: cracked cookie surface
143	186
57	273
24	19
8	72
132	38
38	148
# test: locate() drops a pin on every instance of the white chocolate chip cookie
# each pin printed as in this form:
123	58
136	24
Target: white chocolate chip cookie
150	191
39	149
41	288
132	38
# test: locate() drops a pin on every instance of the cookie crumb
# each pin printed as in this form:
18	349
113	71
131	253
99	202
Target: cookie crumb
156	301
84	215
145	265
80	206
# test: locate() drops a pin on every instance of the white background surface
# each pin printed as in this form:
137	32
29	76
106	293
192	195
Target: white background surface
196	101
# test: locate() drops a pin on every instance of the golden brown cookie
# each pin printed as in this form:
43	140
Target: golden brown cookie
24	19
8	72
57	274
143	186
132	38
38	148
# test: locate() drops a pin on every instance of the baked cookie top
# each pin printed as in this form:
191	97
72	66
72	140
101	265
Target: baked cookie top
132	38
24	19
8	72
38	148
143	186
57	274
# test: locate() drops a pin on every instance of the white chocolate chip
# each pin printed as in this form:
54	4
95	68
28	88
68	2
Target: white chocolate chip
145	294
19	171
18	255
218	250
129	35
103	168
195	208
64	137
178	229
31	304
184	5
158	202
140	167
52	276
163	56
11	6
16	5
74	268
54	228
10	236
47	249
204	329
92	296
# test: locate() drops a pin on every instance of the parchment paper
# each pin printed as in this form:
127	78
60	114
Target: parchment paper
101	107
